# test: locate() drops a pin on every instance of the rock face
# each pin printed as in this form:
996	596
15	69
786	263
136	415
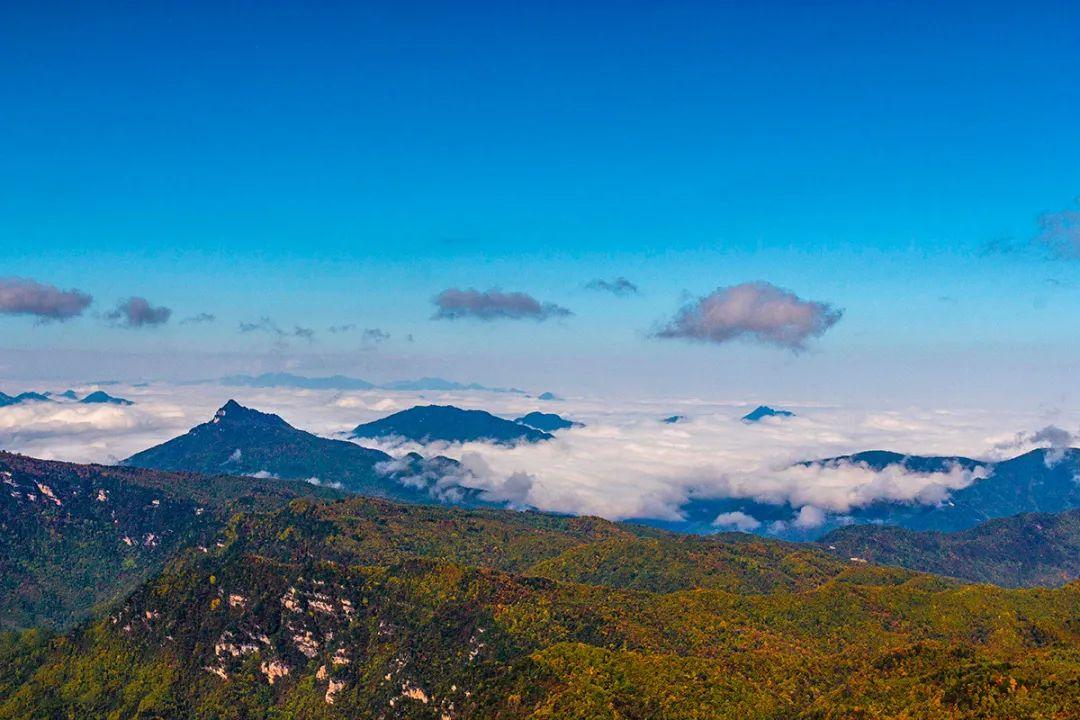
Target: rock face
242	441
446	423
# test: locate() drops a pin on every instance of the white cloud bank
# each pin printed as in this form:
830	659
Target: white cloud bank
624	463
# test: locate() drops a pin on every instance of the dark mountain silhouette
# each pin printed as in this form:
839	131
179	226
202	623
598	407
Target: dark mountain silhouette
446	423
763	411
242	441
23	397
100	396
548	422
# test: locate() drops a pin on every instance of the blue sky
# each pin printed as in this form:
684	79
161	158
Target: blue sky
346	163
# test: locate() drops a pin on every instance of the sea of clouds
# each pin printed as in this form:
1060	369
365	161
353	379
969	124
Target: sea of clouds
623	463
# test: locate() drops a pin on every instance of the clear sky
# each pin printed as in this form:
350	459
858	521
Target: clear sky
326	165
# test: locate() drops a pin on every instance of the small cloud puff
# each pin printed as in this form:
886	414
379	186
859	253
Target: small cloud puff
136	312
736	520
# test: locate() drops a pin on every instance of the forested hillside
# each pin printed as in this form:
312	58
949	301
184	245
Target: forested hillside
361	608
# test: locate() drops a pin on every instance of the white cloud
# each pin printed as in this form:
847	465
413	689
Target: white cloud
736	521
624	463
809	517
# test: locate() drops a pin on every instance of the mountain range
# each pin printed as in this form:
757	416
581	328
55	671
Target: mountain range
446	423
276	604
97	396
342	382
24	397
1042	480
242	441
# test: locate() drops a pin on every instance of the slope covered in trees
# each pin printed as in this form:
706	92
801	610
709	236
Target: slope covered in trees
362	608
1018	551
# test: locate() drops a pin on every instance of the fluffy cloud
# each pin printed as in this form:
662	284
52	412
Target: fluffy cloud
347	327
22	296
618	286
757	311
137	312
809	517
453	303
1059	233
1056	439
736	520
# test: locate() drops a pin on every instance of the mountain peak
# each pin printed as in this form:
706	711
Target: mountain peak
234	413
764	411
427	423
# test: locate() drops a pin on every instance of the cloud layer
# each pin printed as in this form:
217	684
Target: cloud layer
136	312
454	303
756	311
625	463
22	296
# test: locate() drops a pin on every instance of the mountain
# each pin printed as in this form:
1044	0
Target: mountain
100	396
341	382
74	536
1039	481
269	380
674	419
364	608
548	396
548	422
446	423
67	395
1018	551
1042	480
24	397
242	441
763	411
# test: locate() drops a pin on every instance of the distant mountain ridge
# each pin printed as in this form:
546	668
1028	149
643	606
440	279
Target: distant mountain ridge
446	423
23	397
342	382
97	396
242	441
1042	480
